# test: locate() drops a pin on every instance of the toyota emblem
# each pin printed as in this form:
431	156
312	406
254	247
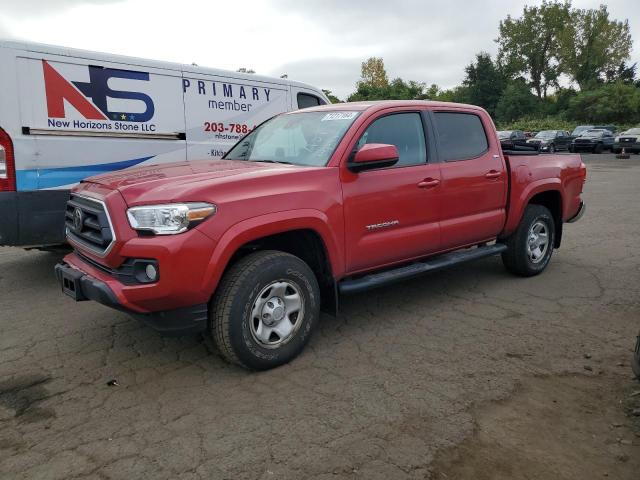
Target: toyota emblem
77	220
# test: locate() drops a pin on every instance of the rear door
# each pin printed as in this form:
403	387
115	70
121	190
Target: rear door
391	214
474	180
562	140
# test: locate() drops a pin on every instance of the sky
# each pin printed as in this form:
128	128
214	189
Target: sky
320	42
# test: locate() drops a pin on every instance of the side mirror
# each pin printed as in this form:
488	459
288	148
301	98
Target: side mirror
374	155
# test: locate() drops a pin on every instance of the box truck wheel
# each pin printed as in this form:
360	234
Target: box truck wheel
265	310
530	247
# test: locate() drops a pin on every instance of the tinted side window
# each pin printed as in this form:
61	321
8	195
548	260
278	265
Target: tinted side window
460	135
305	100
405	131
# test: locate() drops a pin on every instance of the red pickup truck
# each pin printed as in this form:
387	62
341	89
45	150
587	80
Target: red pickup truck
310	205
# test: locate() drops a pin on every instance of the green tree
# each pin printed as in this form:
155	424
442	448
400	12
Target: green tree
591	44
373	73
529	45
516	102
332	98
459	94
624	73
433	92
611	103
484	82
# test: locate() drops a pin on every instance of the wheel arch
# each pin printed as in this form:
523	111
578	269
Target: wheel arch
307	236
552	200
546	192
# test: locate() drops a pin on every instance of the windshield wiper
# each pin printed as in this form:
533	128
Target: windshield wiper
274	161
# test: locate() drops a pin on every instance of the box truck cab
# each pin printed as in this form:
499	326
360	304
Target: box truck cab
68	114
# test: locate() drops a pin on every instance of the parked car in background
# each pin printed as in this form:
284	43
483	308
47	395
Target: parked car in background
512	139
580	129
551	140
635	362
629	140
595	140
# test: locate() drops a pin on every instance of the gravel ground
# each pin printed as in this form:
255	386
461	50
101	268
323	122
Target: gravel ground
468	373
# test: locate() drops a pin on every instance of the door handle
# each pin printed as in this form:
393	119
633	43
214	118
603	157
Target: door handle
493	174
429	183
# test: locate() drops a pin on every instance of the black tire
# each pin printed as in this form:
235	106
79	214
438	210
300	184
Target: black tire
616	150
552	148
635	362
571	149
232	327
598	148
516	258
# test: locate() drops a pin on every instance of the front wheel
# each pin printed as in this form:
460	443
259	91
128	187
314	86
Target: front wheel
552	148
265	310
598	148
530	247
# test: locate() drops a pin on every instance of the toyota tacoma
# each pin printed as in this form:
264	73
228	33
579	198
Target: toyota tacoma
309	206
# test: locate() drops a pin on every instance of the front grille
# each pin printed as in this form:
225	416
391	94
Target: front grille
583	140
627	139
88	224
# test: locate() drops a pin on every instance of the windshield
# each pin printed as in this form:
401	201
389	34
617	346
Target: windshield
593	133
632	131
502	134
301	138
578	130
546	134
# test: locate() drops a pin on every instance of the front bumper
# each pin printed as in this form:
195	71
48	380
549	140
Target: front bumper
180	321
628	147
583	146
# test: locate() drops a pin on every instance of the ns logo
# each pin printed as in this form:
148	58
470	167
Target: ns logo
77	94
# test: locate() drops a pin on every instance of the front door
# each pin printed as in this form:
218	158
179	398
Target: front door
391	214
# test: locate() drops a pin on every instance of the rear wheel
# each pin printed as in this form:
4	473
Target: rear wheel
530	247
265	310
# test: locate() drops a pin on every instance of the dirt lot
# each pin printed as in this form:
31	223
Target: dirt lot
466	374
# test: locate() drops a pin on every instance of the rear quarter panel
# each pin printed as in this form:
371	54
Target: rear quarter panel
533	174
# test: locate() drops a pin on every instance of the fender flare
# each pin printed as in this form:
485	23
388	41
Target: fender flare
263	226
518	205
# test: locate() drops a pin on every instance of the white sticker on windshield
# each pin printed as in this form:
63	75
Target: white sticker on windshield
339	116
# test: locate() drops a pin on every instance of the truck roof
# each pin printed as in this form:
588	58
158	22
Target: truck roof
383	104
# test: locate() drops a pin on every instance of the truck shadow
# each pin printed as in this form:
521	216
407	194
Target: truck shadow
29	275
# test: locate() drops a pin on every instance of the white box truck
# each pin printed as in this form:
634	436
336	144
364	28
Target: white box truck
67	114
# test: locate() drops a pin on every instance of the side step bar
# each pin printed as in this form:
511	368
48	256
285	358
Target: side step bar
432	264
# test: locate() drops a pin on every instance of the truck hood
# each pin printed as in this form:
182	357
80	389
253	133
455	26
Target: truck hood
182	181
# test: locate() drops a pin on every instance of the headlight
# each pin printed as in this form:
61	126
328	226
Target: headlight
169	219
